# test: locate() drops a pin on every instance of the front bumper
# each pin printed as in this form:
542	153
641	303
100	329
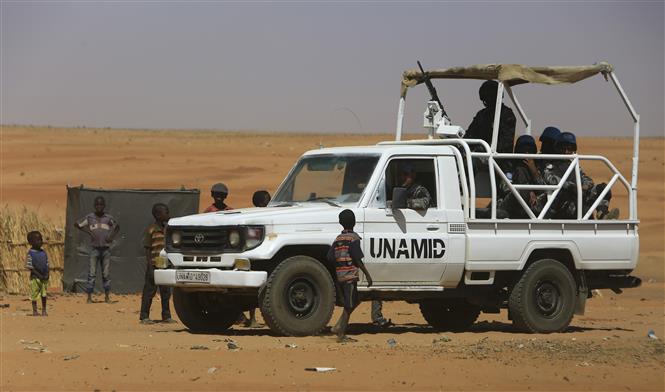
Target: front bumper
218	278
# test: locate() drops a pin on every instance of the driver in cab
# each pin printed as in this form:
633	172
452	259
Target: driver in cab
417	196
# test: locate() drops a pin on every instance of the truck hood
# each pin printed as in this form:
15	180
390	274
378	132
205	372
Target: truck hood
307	213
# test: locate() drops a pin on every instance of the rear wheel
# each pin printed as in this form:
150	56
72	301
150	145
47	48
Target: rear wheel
204	312
449	315
543	300
299	297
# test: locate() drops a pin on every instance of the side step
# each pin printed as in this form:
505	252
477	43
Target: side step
361	287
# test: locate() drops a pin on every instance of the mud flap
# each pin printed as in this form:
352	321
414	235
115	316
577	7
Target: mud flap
582	295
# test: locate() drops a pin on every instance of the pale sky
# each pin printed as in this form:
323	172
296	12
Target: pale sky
317	66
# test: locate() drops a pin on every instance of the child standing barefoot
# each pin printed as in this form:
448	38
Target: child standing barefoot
37	263
347	257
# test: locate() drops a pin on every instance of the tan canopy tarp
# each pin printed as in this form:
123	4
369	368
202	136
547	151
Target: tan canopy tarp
510	74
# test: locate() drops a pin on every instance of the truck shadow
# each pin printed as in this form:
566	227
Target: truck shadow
369	329
264	331
498	326
481	327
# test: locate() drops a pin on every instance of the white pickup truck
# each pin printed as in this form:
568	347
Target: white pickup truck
453	259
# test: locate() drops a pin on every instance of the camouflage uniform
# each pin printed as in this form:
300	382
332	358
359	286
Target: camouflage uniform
565	205
603	209
418	197
509	203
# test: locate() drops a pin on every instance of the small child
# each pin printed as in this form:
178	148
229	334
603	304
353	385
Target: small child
347	256
219	192
259	199
102	229
37	263
153	242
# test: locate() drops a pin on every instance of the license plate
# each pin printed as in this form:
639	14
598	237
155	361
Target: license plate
192	276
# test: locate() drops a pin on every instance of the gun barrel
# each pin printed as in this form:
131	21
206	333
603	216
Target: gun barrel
432	89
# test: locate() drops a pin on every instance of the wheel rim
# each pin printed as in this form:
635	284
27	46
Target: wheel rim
548	298
301	297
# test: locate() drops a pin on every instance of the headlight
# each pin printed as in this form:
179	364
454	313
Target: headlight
234	238
176	238
254	237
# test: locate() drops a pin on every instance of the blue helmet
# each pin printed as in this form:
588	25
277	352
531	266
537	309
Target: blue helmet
567	138
525	144
551	133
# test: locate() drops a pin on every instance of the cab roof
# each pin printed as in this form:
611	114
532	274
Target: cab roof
410	147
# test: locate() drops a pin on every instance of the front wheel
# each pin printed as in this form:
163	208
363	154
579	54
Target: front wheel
204	311
543	300
299	297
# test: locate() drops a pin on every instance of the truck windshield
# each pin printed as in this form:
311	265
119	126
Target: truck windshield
332	179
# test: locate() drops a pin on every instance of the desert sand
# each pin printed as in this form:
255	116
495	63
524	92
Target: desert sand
102	346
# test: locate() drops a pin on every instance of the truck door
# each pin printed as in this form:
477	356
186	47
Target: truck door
406	246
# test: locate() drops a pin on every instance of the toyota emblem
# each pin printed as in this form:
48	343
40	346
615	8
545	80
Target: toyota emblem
199	238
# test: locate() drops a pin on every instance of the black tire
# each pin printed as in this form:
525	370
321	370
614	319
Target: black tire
204	312
299	297
449	315
543	300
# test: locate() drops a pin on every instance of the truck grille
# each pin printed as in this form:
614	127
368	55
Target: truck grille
203	240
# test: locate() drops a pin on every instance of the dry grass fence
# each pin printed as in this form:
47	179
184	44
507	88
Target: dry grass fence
14	227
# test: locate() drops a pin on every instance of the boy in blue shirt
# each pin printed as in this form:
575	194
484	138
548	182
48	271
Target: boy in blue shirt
37	263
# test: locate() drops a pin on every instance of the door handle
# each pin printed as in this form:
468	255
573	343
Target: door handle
432	227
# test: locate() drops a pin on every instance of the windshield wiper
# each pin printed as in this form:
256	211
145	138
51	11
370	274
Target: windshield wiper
325	200
286	204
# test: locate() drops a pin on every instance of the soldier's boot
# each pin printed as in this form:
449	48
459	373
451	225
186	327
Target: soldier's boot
107	299
601	211
89	301
613	214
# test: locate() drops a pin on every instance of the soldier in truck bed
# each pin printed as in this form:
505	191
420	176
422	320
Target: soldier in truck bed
548	141
483	123
565	205
524	171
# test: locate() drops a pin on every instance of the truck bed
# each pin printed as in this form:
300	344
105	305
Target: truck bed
494	245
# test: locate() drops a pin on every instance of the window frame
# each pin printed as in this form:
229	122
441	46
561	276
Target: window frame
380	191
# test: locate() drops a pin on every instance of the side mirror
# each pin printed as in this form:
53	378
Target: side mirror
399	198
389	208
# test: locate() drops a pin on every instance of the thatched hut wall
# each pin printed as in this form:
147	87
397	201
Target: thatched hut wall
14	227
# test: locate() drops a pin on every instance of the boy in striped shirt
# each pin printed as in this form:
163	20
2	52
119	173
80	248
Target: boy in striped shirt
346	254
153	242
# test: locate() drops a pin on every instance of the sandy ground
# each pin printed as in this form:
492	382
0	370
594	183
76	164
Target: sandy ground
607	349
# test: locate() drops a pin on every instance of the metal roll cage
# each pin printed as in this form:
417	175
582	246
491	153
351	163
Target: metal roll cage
466	161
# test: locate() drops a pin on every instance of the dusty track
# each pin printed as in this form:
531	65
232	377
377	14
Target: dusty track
607	349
